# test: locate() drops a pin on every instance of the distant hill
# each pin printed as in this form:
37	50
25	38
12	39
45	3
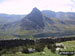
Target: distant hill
6	18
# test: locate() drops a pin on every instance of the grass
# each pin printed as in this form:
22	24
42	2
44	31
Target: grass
70	45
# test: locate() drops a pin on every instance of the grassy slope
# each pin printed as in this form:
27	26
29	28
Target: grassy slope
70	45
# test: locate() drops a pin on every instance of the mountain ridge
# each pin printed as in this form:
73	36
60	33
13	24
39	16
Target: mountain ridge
38	22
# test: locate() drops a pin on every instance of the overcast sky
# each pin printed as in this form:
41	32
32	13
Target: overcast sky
25	6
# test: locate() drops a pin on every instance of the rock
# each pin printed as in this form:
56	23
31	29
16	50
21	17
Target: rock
58	49
31	50
43	53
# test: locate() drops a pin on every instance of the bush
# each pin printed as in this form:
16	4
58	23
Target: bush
49	46
52	47
3	52
39	47
24	49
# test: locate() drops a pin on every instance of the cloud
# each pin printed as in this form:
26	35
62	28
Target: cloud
25	6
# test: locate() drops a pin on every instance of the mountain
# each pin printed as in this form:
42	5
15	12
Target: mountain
5	18
34	20
49	13
64	21
42	23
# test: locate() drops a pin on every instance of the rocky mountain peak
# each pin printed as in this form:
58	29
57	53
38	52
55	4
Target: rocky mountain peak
34	20
35	11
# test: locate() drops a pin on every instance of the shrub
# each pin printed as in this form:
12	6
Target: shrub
25	49
39	47
52	47
2	51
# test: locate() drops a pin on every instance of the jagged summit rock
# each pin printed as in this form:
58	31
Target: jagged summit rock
35	11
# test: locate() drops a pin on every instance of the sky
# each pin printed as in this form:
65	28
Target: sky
26	6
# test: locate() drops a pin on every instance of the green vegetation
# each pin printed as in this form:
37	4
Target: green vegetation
39	47
70	46
46	50
52	47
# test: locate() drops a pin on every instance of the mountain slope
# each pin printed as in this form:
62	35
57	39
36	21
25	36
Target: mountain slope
5	18
64	21
46	21
38	22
